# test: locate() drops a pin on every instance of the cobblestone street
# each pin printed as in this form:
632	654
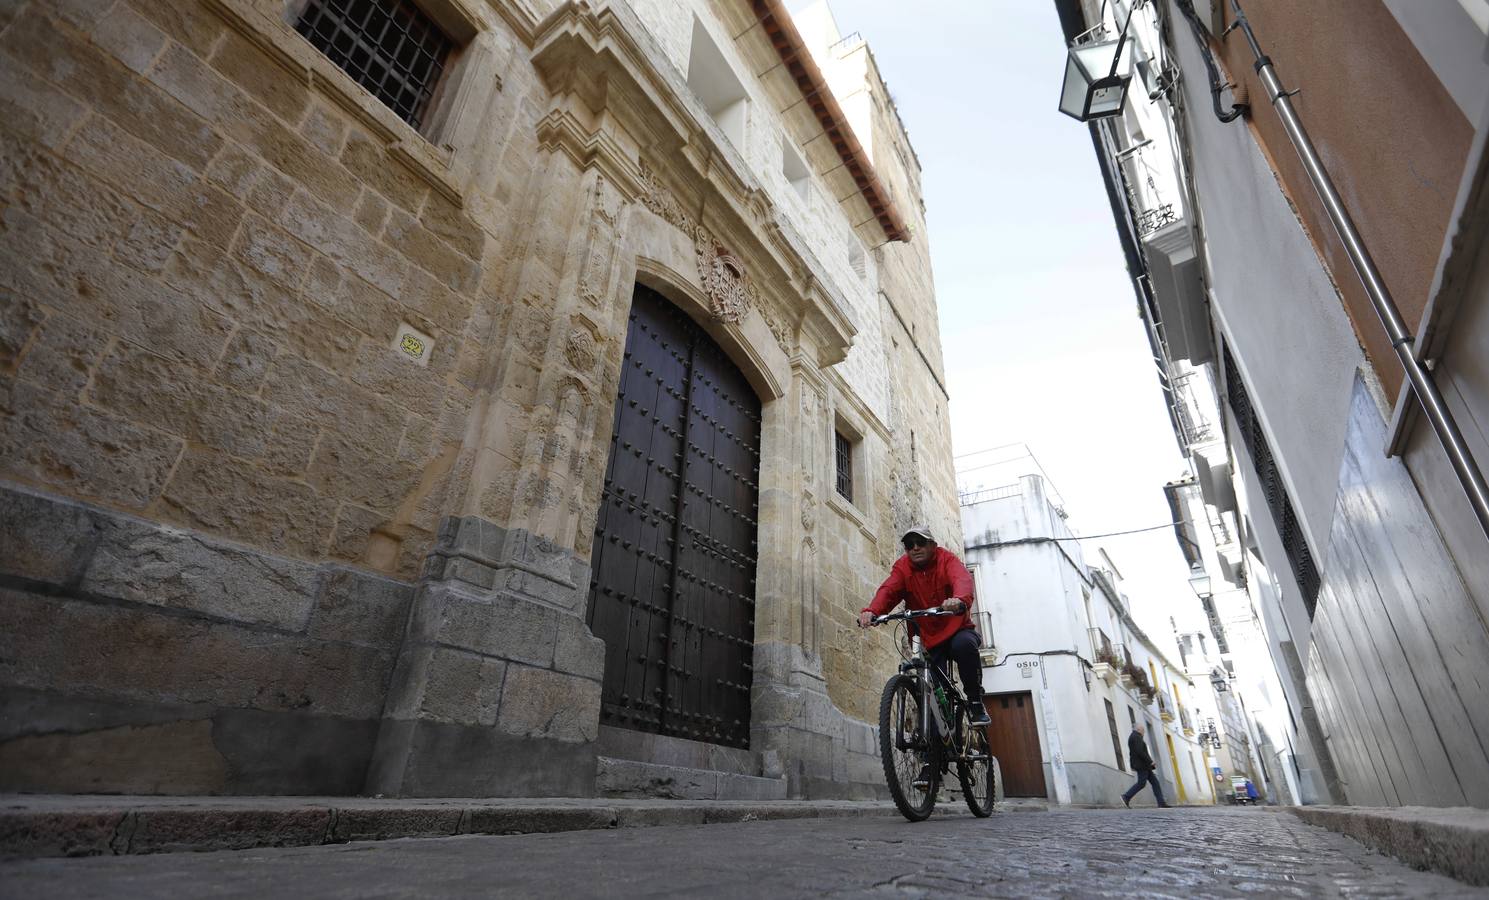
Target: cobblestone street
1082	853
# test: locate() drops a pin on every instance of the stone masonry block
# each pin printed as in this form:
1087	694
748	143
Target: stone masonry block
97	78
160	566
577	651
56	442
367	160
361	608
192	24
247	66
501	626
404	234
546	704
35	107
49	643
472	534
129	37
566	597
45	538
217	492
463	688
343	241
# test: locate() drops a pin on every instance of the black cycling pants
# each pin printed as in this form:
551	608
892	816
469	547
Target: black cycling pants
961	648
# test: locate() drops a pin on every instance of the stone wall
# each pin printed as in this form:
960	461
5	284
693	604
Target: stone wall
254	544
140	658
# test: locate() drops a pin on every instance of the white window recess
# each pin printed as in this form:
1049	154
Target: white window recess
794	168
717	87
858	260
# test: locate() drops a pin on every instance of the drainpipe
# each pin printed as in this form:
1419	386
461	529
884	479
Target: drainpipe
1421	379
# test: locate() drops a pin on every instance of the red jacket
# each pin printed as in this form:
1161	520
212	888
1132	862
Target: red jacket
943	578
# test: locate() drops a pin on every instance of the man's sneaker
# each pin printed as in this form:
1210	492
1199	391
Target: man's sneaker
922	781
1127	802
979	716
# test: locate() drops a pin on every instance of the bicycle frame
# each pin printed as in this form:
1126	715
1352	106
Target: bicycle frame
933	723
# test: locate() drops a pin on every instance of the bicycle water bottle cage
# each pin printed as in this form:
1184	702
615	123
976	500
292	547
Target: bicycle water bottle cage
909	664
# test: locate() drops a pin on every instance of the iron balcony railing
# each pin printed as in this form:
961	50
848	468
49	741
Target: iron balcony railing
984	620
1101	648
1150	220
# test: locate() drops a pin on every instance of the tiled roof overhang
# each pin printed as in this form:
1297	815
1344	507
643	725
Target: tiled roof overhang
787	41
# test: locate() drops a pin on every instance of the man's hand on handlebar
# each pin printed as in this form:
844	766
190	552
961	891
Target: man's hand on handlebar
954	606
865	619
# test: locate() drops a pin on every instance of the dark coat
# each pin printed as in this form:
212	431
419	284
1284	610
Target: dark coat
1137	753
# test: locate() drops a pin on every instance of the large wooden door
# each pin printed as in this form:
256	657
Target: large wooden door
1014	739
672	592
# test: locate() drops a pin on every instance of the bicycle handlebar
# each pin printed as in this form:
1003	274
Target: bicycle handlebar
936	612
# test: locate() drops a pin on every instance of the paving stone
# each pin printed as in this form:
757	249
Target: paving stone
1193	852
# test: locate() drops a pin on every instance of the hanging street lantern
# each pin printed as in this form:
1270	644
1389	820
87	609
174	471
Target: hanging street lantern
1219	682
1096	79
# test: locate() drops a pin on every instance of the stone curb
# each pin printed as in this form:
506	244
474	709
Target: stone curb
1452	841
32	828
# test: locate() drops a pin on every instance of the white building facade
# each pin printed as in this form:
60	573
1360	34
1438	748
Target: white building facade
1345	549
1067	670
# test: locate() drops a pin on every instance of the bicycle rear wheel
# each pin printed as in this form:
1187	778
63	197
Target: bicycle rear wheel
977	774
906	750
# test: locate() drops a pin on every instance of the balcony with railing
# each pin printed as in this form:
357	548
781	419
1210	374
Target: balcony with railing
1165	708
1186	722
1104	656
989	649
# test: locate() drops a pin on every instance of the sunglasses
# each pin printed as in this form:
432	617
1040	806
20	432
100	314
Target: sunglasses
916	541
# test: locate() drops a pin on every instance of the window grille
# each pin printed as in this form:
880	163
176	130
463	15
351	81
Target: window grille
388	47
845	466
1294	544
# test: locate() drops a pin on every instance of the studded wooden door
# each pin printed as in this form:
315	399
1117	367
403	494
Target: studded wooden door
673	587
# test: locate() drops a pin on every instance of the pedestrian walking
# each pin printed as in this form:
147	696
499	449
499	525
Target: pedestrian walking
1142	764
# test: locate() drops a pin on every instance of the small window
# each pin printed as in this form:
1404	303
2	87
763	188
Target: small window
858	261
389	47
844	465
794	168
714	83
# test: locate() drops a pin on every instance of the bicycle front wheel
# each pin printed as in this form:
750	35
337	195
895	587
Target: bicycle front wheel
977	774
909	754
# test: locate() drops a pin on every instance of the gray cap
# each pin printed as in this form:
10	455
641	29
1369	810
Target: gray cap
921	530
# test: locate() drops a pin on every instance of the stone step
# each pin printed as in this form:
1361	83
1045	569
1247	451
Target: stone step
629	778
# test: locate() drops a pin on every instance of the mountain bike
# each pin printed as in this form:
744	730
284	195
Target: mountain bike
925	728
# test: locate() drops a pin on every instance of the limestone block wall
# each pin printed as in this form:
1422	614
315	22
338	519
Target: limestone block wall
210	241
207	263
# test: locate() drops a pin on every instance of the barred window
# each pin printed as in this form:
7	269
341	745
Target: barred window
388	47
1294	544
845	466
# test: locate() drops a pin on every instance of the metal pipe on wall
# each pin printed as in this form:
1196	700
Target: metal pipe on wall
1423	385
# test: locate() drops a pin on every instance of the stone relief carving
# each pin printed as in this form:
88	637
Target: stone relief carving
581	348
594	282
730	293
655	197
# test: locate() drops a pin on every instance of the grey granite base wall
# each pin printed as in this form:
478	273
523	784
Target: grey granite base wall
136	657
497	687
825	754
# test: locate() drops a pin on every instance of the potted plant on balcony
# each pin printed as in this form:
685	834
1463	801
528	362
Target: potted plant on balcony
1106	665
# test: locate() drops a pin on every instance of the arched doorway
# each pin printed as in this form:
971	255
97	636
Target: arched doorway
672	591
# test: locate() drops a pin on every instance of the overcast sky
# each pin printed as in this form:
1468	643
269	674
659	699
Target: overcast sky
1039	325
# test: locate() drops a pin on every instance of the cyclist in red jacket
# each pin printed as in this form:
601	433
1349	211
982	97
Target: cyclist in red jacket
928	576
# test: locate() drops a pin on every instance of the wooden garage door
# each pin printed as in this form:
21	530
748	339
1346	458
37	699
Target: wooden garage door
1014	739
